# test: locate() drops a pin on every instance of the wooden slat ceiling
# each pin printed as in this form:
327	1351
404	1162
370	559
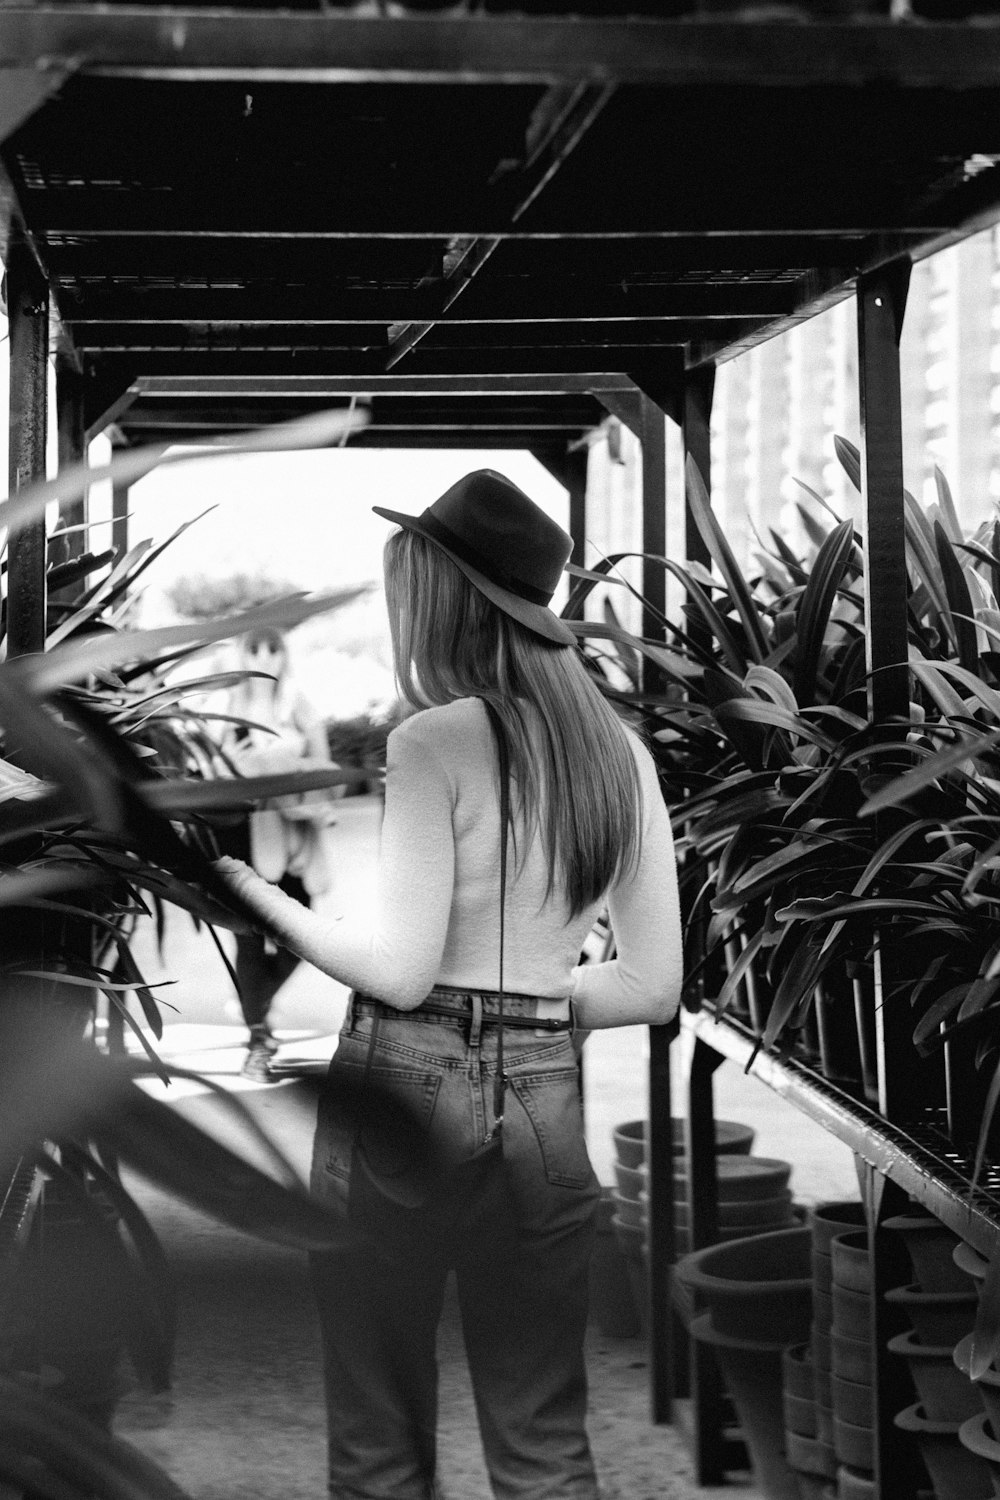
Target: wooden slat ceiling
472	225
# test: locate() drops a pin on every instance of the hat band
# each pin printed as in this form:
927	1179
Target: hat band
438	532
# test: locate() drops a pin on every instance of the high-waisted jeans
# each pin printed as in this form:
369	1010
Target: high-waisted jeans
522	1285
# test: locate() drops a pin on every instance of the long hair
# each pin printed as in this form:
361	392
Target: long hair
573	768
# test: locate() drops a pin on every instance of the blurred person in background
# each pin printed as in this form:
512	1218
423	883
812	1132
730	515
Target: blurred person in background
284	840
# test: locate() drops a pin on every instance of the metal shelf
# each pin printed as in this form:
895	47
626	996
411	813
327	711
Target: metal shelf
917	1156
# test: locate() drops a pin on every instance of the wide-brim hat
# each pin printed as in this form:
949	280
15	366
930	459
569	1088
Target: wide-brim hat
504	543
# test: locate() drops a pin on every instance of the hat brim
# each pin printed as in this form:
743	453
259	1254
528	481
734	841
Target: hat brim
536	617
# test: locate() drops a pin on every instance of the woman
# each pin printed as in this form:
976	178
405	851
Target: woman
468	585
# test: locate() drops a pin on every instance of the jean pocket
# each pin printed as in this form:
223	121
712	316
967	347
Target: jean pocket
396	1111
551	1101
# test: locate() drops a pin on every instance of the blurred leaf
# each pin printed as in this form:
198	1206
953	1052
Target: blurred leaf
714	538
849	457
959	600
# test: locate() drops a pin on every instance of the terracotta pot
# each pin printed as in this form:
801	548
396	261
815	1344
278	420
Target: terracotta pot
748	1211
819	1341
630	1181
938	1318
628	1210
755	1288
853	1484
751	1372
824	1423
853	1444
930	1245
823	1309
829	1219
987	1387
807	1456
975	1437
972	1263
800	1414
955	1472
851	1359
822	1387
630	1139
822	1269
946	1394
851	1263
612	1303
797	1371
853	1402
852	1313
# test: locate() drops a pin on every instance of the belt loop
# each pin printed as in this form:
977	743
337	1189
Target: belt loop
476	1024
349	1018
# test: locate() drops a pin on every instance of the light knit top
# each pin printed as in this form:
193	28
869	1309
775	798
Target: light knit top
436	916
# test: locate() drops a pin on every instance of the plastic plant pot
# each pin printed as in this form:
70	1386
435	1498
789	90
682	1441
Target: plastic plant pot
853	1444
853	1402
751	1373
850	1261
739	1177
972	1263
955	1472
829	1219
822	1268
946	1393
938	1318
630	1143
797	1371
755	1288
987	1387
974	1436
930	1245
852	1313
851	1359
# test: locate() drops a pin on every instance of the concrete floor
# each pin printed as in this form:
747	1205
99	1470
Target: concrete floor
245	1418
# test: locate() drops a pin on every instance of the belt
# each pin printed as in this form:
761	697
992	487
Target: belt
430	1009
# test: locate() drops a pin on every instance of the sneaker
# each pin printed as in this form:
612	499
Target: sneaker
257	1063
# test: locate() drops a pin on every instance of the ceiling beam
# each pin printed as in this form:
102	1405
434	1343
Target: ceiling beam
493	300
327	47
203	387
25	89
558	123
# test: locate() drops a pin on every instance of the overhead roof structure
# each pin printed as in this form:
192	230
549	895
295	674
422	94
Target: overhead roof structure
491	228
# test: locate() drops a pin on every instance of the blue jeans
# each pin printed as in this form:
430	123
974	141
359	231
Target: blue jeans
522	1285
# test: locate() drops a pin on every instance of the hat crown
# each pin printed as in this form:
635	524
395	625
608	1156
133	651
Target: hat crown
511	538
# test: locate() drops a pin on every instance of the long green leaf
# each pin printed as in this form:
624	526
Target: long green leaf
849	457
933	768
715	540
960	608
816	605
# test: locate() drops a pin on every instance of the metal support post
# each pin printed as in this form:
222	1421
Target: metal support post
119	510
576	484
72	449
660	1145
28	311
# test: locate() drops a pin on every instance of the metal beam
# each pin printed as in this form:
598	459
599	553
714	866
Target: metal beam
331	48
272	386
559	123
571	298
25	89
881	305
28	312
72	439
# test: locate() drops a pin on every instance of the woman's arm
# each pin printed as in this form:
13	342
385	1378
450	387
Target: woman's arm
396	955
643	983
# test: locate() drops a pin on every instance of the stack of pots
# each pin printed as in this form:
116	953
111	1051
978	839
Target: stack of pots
811	1458
752	1298
940	1305
834	1351
980	1434
852	1366
741	1177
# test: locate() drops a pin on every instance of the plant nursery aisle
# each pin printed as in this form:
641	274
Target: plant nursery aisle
245	1418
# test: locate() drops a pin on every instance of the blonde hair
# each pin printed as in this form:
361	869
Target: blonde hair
575	780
